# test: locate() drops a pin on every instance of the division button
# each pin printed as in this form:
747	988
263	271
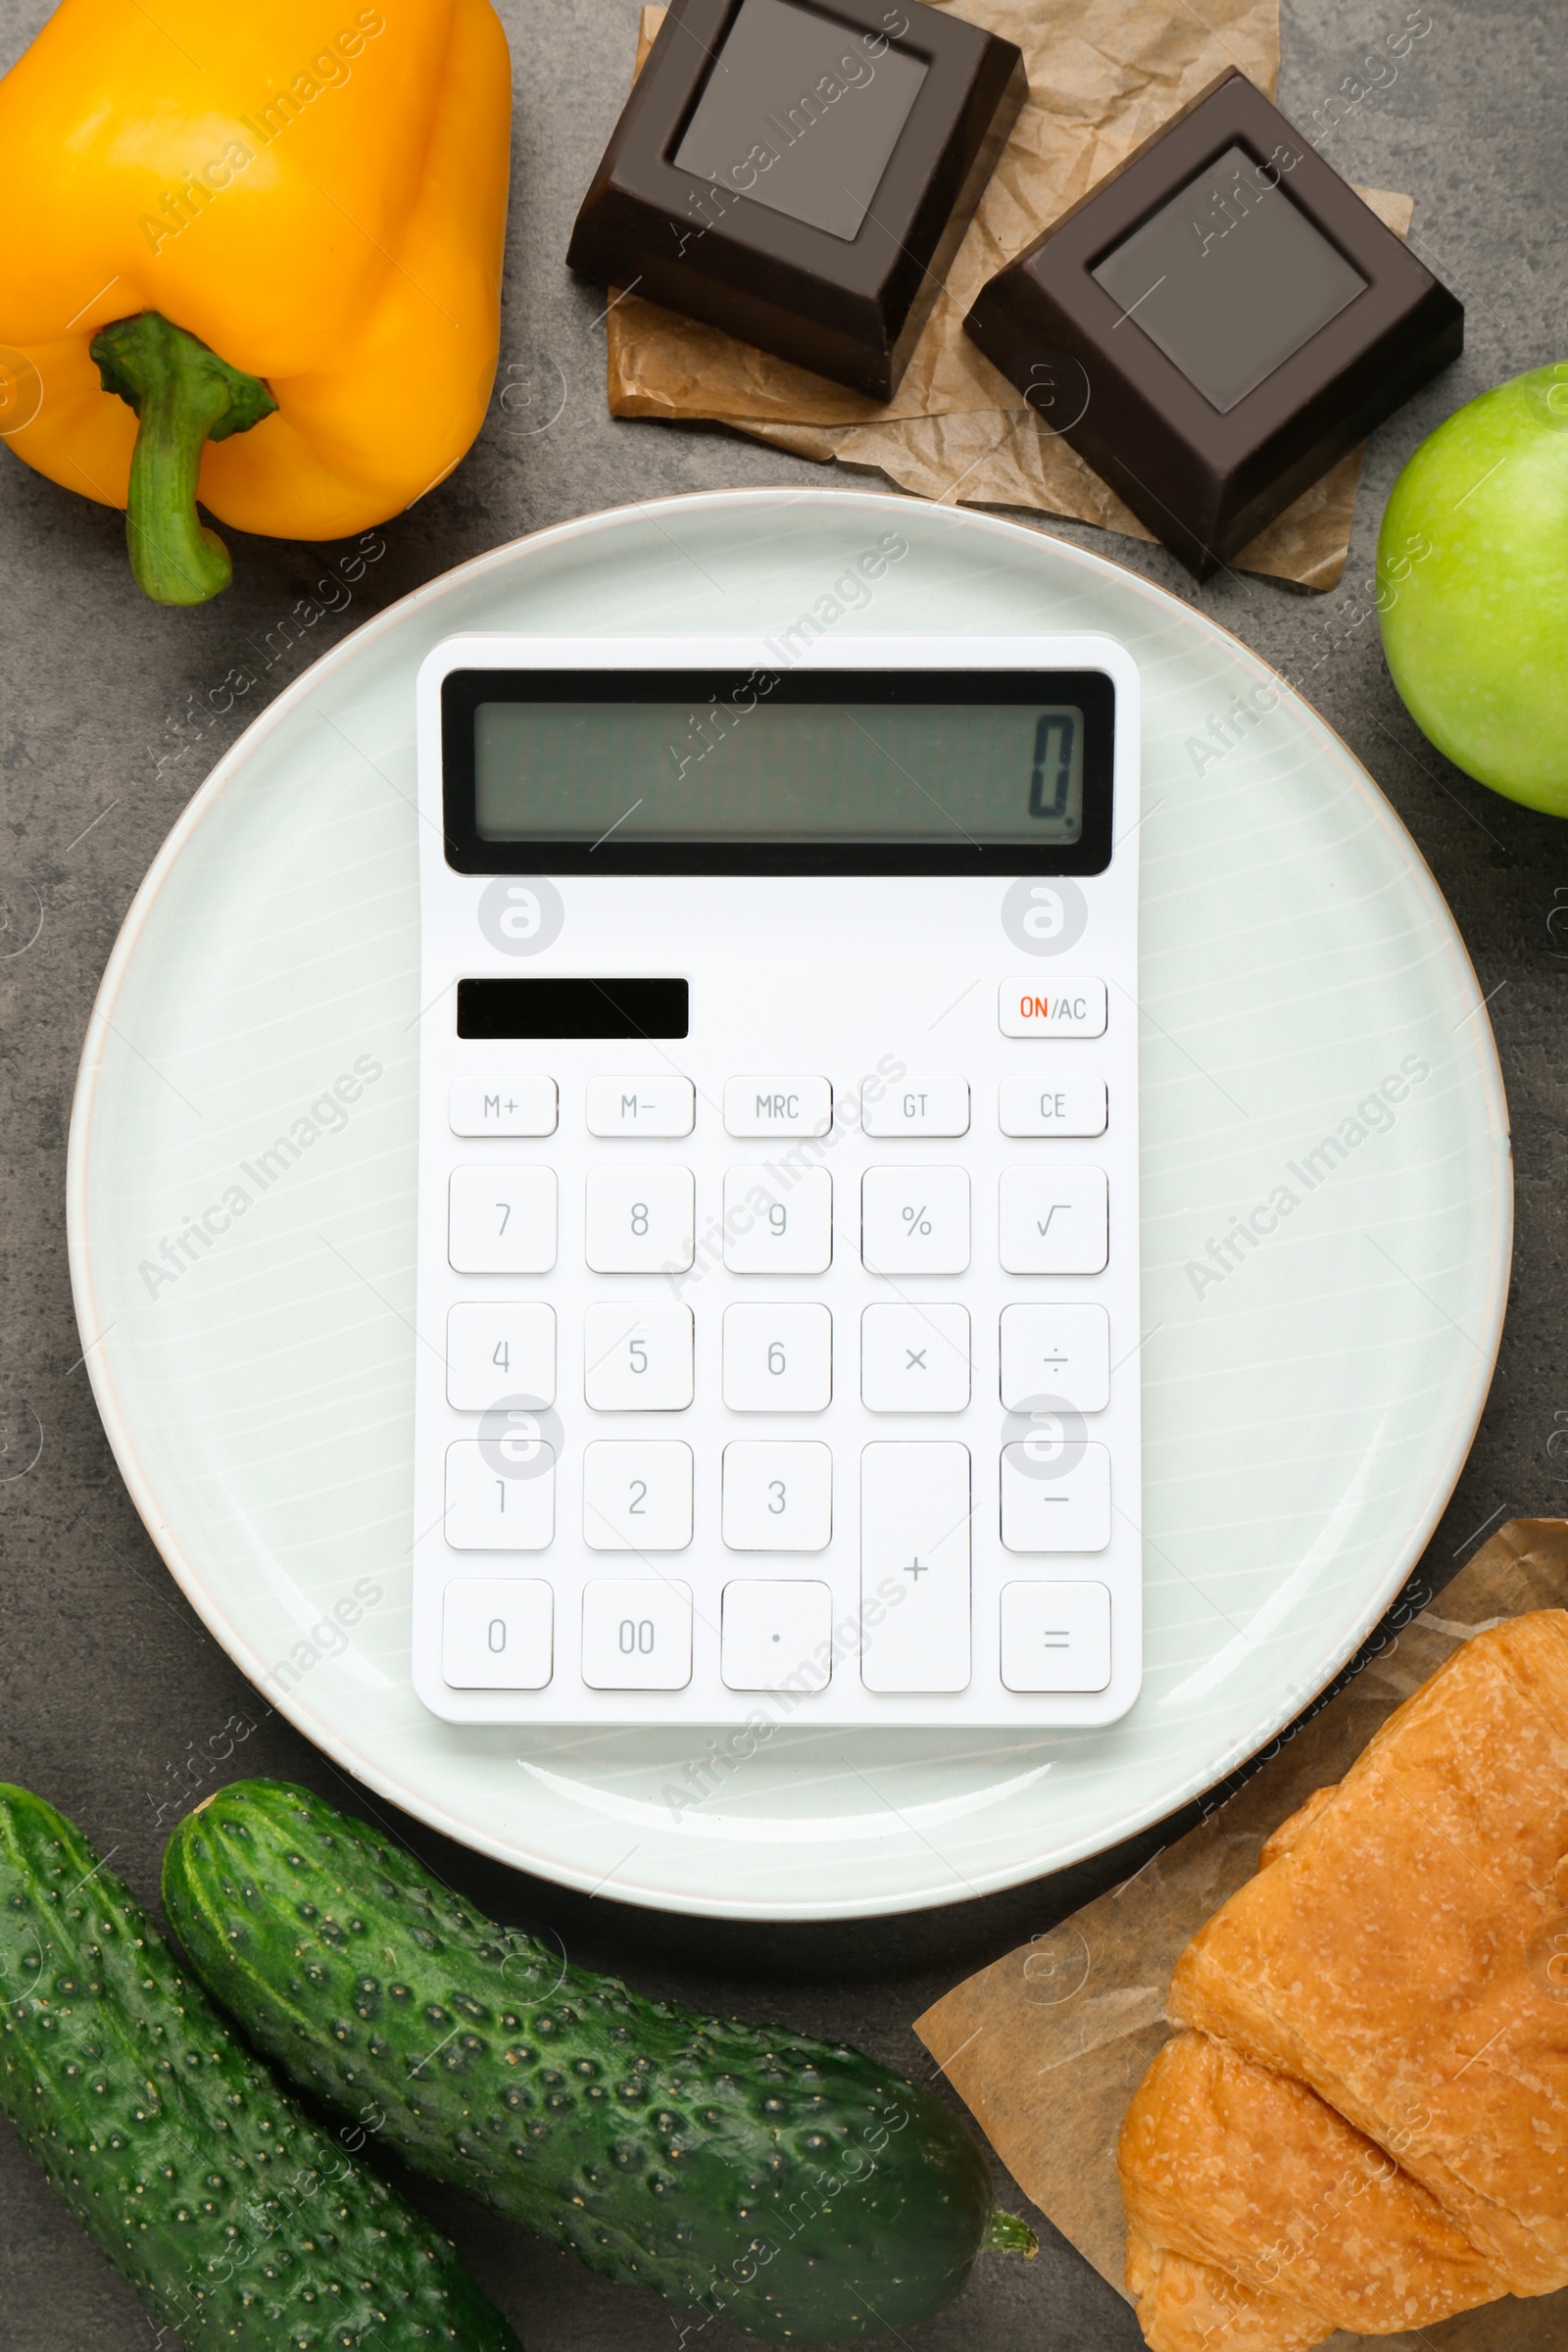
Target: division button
1056	1636
502	1106
1030	1007
1054	1220
1060	1353
915	1106
914	1359
767	1104
776	1635
1055	1496
501	1220
496	1632
637	1496
1045	1105
641	1106
915	1567
636	1633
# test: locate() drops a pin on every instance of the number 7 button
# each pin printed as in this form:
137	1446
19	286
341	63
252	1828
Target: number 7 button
501	1220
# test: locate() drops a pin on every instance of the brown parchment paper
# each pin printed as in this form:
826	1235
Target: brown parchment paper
1048	2045
1103	75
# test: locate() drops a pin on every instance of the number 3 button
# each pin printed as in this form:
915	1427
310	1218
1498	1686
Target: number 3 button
778	1497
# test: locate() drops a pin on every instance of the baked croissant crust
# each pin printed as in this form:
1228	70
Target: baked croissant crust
1366	2124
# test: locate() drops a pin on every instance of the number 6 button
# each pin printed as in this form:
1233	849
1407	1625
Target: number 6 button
637	1497
501	1220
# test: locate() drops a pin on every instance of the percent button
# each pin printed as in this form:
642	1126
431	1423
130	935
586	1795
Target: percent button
915	1220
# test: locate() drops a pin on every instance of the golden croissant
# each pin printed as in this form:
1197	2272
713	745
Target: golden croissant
1364	2120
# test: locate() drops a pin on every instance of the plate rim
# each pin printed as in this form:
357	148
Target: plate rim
337	1745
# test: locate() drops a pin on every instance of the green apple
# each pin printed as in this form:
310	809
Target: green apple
1472	588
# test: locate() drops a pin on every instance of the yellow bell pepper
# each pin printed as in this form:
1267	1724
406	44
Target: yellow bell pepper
252	253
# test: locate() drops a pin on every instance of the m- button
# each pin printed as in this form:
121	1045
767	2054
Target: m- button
1036	1008
769	1104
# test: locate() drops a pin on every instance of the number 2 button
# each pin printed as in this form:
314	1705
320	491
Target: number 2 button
637	1497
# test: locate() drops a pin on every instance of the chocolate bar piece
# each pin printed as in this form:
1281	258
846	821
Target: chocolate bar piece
1217	322
802	177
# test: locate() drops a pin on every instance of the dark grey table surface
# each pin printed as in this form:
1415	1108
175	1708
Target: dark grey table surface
105	1672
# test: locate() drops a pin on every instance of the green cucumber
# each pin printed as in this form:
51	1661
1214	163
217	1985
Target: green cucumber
797	2189
237	2222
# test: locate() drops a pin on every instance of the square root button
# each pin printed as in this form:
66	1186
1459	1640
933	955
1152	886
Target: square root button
1031	1006
1056	1636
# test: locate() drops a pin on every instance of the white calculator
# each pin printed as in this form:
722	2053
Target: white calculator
778	1249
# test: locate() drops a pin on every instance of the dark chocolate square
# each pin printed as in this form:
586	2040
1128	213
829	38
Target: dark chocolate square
791	83
802	174
1217	322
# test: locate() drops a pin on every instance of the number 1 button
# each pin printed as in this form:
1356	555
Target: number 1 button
501	1220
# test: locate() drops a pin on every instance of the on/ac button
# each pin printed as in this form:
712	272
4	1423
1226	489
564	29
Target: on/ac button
1034	1007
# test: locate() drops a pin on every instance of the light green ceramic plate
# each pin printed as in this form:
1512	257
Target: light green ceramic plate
1325	1228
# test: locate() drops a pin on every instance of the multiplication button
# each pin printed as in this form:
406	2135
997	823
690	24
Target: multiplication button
914	1359
1056	1636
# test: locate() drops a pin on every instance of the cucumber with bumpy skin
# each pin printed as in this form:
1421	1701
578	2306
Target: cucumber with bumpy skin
238	2222
797	2189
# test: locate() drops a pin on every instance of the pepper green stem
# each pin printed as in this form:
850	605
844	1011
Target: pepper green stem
1005	2234
184	396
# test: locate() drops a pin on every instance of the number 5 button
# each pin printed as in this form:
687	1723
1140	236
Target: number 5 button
501	1220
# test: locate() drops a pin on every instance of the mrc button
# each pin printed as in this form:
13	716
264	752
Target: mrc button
767	1104
1036	1008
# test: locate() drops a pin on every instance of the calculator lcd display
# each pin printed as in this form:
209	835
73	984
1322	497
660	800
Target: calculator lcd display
799	772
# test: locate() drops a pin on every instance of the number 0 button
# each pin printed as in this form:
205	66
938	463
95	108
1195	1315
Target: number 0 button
636	1633
637	1497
